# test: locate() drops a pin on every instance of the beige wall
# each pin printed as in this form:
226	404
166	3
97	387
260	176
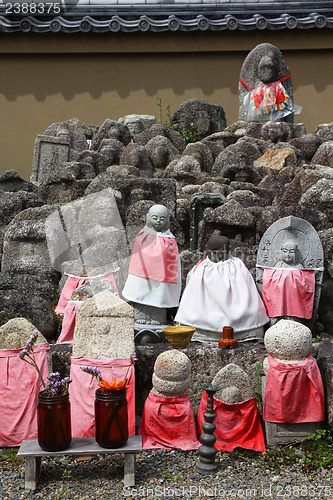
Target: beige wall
47	78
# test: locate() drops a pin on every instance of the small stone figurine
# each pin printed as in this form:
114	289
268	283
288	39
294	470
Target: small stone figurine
154	279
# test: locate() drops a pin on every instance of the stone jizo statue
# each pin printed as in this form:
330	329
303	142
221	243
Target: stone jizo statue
219	292
154	278
290	270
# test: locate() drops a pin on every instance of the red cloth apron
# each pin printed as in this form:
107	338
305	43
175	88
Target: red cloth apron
19	388
294	393
288	292
154	257
68	323
237	424
83	387
168	423
72	283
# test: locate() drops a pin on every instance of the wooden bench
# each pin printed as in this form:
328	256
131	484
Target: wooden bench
33	454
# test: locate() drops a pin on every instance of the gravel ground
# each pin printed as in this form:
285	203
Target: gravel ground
166	474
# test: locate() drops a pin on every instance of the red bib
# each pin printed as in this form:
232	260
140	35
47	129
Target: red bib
154	257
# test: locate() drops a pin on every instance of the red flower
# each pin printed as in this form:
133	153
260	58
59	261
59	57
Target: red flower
116	385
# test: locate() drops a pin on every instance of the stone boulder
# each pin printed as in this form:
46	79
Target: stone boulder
175	137
111	129
202	153
137	156
276	161
303	180
25	303
185	170
307	144
161	151
231	220
325	131
12	182
234	383
320	197
324	155
200	116
104	328
247	198
218	141
15	334
137	123
172	374
236	162
76	131
288	341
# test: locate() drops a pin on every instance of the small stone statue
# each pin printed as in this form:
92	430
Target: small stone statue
265	86
290	270
219	292
294	391
154	278
167	420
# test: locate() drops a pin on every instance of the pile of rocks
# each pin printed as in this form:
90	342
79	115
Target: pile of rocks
234	181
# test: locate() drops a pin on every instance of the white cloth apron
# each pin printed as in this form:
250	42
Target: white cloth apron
221	294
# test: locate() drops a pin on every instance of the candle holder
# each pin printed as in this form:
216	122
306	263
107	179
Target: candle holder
228	339
207	451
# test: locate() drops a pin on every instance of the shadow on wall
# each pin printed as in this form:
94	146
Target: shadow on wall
69	75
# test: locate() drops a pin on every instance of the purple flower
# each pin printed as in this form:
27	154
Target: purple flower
134	358
94	372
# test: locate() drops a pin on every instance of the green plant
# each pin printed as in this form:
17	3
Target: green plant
61	493
189	134
316	339
318	450
8	456
67	474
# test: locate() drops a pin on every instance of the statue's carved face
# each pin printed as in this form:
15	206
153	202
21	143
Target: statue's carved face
266	70
288	252
158	218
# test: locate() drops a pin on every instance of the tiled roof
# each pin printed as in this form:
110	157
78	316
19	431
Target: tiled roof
163	15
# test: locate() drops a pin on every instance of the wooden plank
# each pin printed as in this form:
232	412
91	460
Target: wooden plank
79	446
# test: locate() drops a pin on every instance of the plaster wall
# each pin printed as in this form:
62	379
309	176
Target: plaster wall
47	78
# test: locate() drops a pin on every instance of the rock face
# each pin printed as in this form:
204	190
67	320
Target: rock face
104	328
288	341
172	374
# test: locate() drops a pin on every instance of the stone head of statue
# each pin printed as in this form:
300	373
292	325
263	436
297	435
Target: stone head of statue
289	254
158	218
267	69
217	248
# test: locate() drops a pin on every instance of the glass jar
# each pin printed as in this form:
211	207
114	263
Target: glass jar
111	422
53	422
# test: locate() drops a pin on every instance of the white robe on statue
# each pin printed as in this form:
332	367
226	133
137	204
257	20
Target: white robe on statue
221	294
149	261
